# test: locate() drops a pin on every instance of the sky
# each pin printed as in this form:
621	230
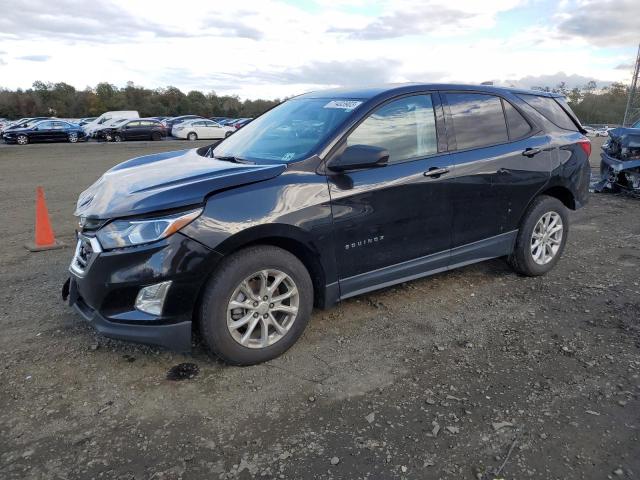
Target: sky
279	48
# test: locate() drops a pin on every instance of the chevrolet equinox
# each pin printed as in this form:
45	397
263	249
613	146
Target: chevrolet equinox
328	195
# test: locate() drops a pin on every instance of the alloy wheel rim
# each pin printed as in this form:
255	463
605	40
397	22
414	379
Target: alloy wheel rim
263	308
546	238
73	137
22	140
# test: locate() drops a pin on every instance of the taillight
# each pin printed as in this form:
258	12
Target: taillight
586	146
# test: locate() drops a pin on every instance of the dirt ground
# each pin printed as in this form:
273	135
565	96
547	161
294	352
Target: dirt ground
448	377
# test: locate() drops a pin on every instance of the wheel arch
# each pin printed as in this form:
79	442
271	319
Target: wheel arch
291	239
562	193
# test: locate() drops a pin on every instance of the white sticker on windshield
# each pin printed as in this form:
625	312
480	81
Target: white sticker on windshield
288	156
344	104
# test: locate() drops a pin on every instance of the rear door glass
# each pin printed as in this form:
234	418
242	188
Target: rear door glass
478	120
517	125
551	110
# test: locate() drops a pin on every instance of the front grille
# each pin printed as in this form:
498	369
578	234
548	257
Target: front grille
86	249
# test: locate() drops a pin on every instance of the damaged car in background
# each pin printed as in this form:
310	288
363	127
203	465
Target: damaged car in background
620	161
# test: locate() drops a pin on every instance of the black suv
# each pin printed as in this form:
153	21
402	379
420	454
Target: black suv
329	195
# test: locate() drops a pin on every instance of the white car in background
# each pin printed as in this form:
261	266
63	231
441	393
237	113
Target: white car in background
201	130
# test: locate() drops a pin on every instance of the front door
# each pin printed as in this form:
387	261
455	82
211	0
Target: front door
393	222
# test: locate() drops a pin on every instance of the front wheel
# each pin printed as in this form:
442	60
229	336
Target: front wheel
227	134
256	305
117	138
22	139
541	238
192	136
73	137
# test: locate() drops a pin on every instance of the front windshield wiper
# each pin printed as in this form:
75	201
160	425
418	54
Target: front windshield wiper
234	160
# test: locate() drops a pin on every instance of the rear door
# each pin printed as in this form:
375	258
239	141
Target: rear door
488	156
394	222
59	131
213	129
131	131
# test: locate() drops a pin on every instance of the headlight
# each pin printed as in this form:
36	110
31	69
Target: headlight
125	233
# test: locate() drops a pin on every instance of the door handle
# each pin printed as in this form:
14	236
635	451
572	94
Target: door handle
435	172
531	152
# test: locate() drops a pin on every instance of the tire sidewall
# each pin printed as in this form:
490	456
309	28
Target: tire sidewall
192	136
213	311
541	206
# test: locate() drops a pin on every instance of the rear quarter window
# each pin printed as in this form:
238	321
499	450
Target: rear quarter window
551	110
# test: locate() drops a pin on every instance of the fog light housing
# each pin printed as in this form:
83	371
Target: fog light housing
151	299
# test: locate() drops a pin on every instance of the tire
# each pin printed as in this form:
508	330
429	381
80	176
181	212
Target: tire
22	140
73	137
227	134
522	258
192	136
117	138
155	136
216	314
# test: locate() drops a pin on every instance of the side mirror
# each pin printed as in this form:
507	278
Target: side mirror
357	157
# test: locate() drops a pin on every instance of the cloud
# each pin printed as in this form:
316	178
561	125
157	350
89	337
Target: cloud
102	21
34	58
603	22
423	17
347	73
624	66
553	80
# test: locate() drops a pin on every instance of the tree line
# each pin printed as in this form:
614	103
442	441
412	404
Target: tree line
64	101
591	105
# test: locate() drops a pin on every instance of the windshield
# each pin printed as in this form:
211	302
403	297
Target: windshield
288	132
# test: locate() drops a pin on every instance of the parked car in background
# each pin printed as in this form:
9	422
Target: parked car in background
201	130
241	123
219	119
169	123
590	131
45	131
84	121
106	117
139	129
227	121
105	132
329	195
23	123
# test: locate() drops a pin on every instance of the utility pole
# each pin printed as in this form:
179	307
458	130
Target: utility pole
632	112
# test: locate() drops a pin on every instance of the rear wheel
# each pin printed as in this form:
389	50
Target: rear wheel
256	305
22	139
73	137
117	138
541	238
192	136
156	136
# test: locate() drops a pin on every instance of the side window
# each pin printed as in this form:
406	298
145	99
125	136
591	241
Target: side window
59	125
198	124
478	120
45	125
551	110
405	127
133	124
516	124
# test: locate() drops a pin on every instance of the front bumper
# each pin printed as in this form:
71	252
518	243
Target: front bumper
104	291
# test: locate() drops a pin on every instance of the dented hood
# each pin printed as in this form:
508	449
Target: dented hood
164	181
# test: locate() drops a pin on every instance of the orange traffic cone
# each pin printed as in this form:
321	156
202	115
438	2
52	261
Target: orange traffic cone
44	238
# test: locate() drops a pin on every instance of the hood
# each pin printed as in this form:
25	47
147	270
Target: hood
164	181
